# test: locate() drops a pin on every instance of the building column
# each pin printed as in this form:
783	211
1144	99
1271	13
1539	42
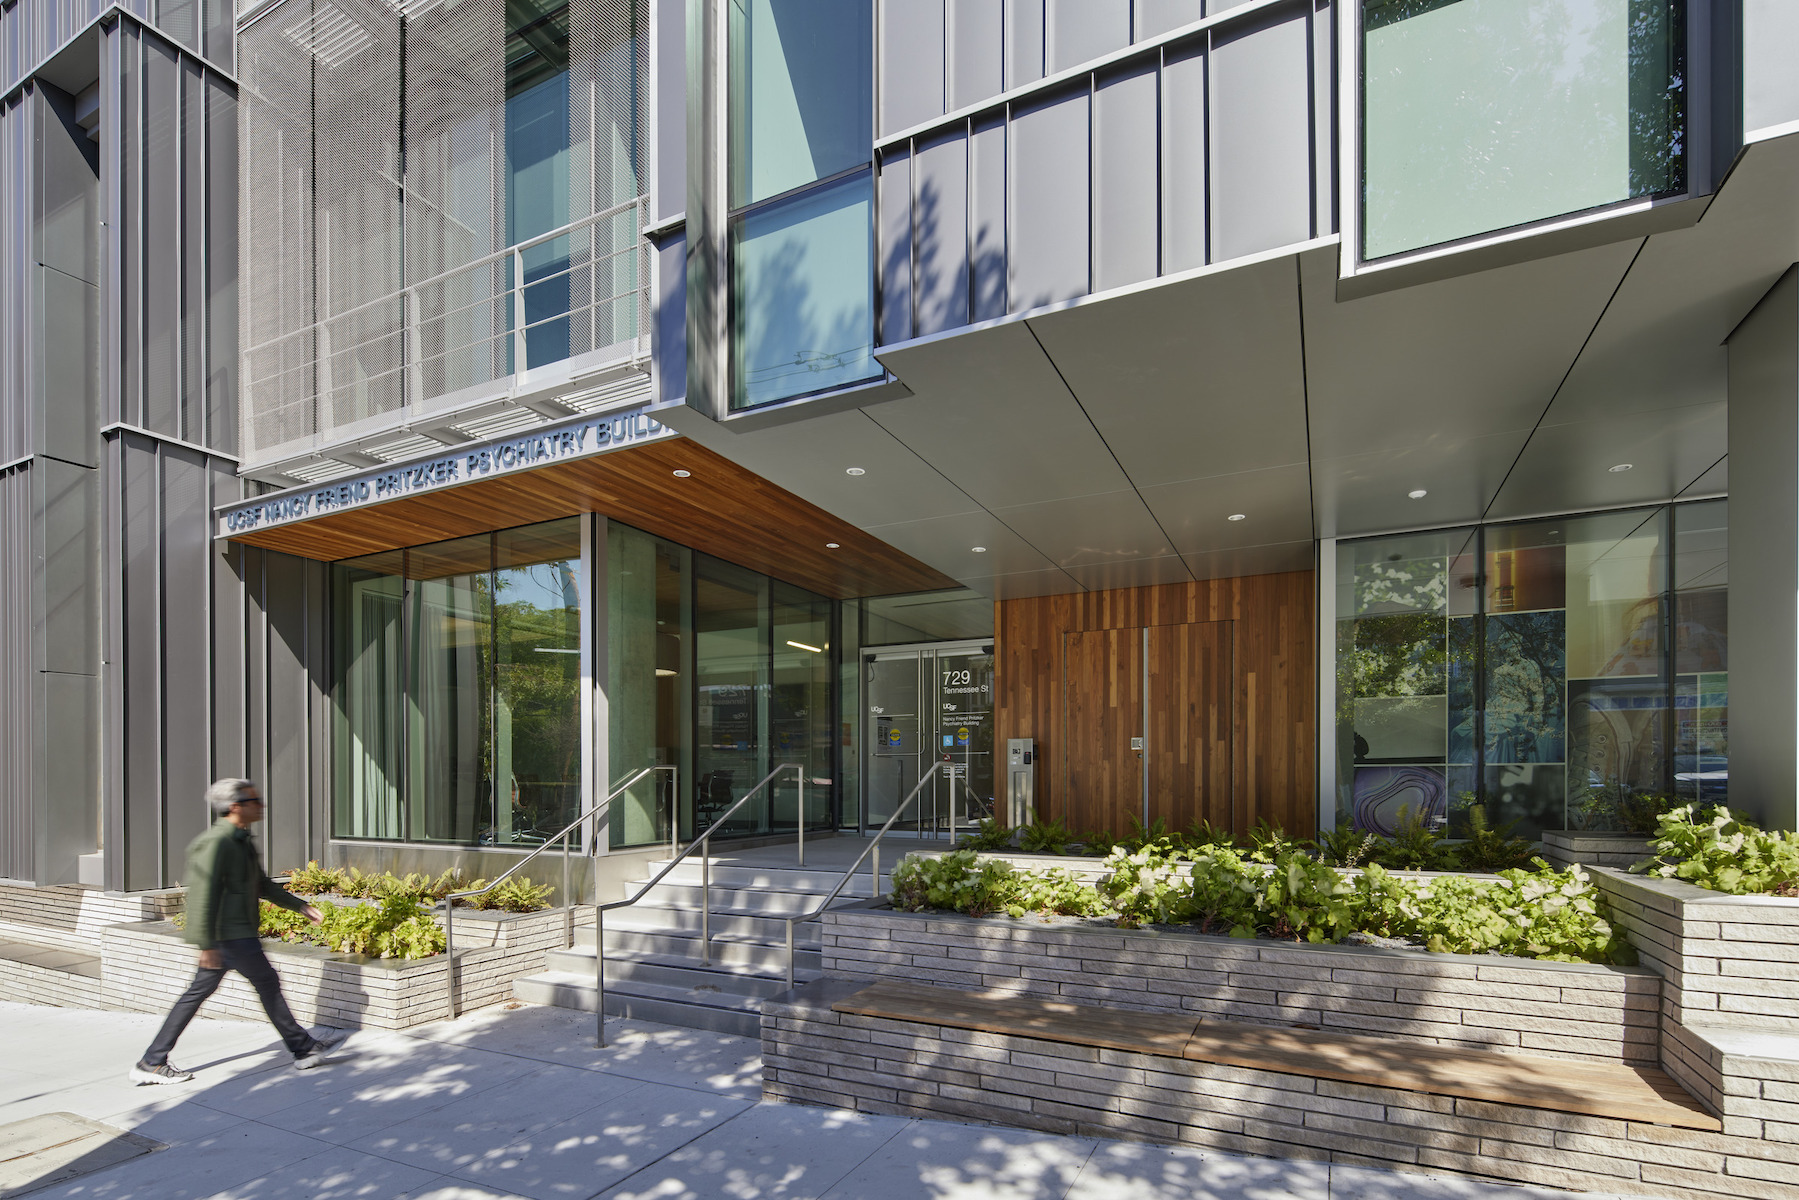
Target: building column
1764	558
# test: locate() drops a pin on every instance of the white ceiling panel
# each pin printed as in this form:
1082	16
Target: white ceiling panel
1251	560
990	412
1715	482
1462	358
1276	507
1568	467
1369	493
948	543
1090	530
809	458
1192	379
1130	573
1026	584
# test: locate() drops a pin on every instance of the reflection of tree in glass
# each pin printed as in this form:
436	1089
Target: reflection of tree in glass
1525	655
1402	585
539	685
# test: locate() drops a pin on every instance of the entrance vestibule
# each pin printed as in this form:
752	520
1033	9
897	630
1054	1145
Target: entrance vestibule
925	704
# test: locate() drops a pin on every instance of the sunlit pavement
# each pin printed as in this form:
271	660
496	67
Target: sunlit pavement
519	1102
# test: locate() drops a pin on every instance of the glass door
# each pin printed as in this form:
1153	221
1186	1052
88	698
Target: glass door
928	704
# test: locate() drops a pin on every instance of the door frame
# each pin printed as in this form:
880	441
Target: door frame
917	652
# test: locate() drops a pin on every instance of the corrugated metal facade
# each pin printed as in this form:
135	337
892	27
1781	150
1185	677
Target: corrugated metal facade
31	31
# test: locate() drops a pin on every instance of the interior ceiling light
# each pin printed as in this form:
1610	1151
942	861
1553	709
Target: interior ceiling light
854	471
979	549
682	474
1620	467
831	546
664	672
1417	494
1238	517
803	646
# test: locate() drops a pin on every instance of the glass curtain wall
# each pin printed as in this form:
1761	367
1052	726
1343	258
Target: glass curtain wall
1528	667
456	706
801	133
1480	115
650	664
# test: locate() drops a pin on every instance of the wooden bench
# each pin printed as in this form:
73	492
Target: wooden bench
1642	1094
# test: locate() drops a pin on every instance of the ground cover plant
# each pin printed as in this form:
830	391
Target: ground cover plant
518	895
394	927
1539	913
1713	848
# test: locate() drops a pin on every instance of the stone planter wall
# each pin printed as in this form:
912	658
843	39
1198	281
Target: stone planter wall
27	983
71	918
516	931
1563	1010
1566	847
145	967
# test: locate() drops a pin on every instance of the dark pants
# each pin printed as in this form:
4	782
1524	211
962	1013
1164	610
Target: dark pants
245	956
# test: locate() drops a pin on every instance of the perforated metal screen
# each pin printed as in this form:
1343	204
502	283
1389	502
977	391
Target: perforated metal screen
375	208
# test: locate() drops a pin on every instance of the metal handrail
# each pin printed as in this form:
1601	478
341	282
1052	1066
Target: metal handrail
568	909
702	842
874	848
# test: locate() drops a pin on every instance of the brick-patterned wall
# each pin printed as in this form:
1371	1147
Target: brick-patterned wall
1725	960
145	967
1565	848
516	931
1562	1010
25	983
72	918
813	1055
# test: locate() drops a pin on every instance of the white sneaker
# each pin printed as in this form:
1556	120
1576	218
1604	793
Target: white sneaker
143	1072
323	1043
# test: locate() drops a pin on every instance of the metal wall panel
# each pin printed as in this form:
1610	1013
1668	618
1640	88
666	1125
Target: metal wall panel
669	354
220	256
1024	42
67	620
1770	46
671	108
230	732
31	31
911	64
1261	134
895	202
1048	210
987	219
68	821
977	50
137	789
1152	17
1077	31
18	672
291	603
1184	159
941	235
186	603
1124	179
161	237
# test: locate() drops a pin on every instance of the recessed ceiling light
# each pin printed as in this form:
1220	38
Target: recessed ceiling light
1238	517
1620	467
682	474
830	545
1417	494
979	549
854	471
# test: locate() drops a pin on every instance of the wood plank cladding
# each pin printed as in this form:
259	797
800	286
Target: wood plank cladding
1231	711
721	509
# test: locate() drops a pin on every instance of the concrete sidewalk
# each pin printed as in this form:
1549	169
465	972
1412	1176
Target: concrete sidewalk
519	1102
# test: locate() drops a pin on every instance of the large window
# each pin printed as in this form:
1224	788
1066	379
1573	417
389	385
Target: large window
1481	115
1530	666
456	714
801	195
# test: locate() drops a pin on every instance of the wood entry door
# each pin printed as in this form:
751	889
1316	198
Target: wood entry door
1170	686
1191	718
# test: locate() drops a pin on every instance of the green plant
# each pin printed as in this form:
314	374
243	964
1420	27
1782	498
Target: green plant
960	881
1347	846
1724	853
1056	892
1268	842
1613	806
1641	812
1097	843
1414	846
1142	836
1202	835
517	895
273	921
415	887
1044	837
989	836
1303	899
358	884
1540	913
312	879
1146	887
1490	848
1224	892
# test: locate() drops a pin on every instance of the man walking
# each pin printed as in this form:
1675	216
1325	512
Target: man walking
225	886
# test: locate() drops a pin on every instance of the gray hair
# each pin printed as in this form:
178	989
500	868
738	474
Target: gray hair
224	793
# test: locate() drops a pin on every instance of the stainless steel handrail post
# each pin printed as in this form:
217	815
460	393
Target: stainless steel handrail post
802	821
568	899
706	900
874	850
450	957
599	966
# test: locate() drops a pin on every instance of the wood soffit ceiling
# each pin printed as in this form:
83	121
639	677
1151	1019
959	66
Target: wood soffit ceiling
721	509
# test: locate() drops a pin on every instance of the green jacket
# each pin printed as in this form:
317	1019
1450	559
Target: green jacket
225	882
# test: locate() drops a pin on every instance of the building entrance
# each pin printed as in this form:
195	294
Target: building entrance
928	703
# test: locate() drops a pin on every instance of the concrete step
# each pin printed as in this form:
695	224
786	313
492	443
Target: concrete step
810	880
767	901
646	917
719	1012
728	950
757	982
